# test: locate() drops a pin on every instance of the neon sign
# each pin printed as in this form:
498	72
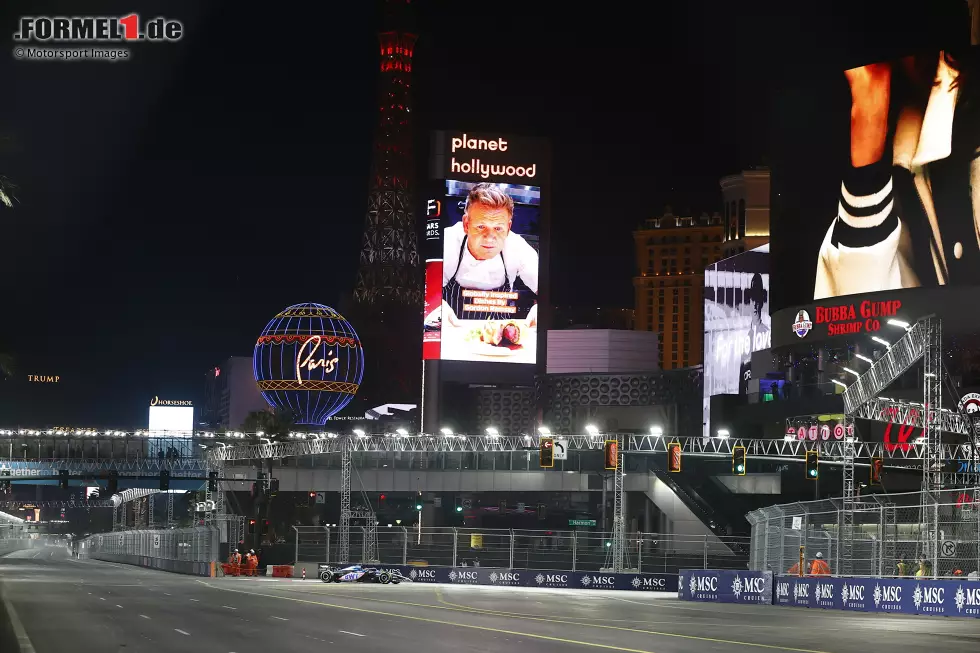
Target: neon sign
486	170
904	430
157	401
40	378
328	364
847	319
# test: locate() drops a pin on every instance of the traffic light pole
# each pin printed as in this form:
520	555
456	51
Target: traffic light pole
619	521
845	566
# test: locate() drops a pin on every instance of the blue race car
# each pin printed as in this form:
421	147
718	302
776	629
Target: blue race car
360	574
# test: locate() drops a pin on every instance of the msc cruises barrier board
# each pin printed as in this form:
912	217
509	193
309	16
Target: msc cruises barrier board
911	596
590	580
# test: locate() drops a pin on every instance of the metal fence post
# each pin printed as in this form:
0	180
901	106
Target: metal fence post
705	552
455	544
574	549
296	552
511	564
327	529
639	553
404	545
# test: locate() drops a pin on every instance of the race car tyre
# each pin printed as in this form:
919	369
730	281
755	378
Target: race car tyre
384	578
326	577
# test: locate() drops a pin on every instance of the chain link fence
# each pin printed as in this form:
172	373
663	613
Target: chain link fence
889	534
197	544
524	549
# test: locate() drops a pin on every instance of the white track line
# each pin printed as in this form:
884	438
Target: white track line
144	616
281	618
182	632
19	633
347	632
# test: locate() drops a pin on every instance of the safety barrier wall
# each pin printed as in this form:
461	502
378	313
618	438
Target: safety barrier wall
9	546
949	598
910	596
174	566
500	577
725	586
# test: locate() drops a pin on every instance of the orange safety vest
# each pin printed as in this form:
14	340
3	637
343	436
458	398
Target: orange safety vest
794	570
819	568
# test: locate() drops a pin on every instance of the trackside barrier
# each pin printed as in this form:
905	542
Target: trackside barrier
725	586
282	571
590	580
174	566
949	598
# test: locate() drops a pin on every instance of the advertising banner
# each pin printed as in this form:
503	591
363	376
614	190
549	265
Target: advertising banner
736	323
725	586
948	598
481	249
539	578
882	203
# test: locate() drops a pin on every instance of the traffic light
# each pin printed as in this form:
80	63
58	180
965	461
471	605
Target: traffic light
164	480
502	505
381	501
674	457
877	467
263	484
4	480
273	487
738	461
212	481
812	465
251	527
112	487
542	512
547	452
418	505
63	479
312	498
611	454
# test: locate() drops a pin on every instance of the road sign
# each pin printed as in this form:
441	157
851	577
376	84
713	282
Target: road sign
467	503
948	548
437	502
798	523
156	541
561	449
321	497
581	522
520	506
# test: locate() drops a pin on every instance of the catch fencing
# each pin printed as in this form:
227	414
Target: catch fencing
882	531
522	549
181	550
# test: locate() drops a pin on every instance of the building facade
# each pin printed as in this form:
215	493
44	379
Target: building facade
671	254
746	199
230	394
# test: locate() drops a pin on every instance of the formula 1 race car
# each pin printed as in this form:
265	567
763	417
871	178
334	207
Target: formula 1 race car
359	574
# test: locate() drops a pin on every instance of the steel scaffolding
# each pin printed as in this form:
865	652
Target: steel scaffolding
345	511
619	521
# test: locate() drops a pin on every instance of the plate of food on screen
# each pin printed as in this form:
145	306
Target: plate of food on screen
496	338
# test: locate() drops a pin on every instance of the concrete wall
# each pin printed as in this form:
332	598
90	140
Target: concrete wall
752	483
602	351
174	566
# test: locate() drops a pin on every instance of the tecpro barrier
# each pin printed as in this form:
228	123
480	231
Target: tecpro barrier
589	580
173	566
725	586
949	598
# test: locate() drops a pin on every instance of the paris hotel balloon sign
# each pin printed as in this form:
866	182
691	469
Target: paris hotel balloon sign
308	361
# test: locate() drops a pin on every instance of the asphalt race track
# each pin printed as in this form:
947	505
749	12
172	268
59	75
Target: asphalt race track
94	607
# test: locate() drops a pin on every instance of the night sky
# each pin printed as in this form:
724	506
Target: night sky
170	205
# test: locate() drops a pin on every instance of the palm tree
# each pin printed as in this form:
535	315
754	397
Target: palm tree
7	188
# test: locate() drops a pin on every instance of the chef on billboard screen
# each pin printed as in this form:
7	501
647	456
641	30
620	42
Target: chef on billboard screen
489	273
908	211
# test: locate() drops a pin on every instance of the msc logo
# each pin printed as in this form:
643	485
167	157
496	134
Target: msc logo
782	590
507	577
560	580
929	599
642	583
969	599
801	592
423	575
802	325
886	595
704	584
852	593
825	592
598	581
463	576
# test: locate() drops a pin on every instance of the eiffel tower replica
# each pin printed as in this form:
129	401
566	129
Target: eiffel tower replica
386	306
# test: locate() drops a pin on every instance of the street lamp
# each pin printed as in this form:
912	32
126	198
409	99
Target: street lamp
836	382
656	431
359	433
723	434
544	430
446	431
880	341
591	429
850	371
864	358
492	432
402	432
900	323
